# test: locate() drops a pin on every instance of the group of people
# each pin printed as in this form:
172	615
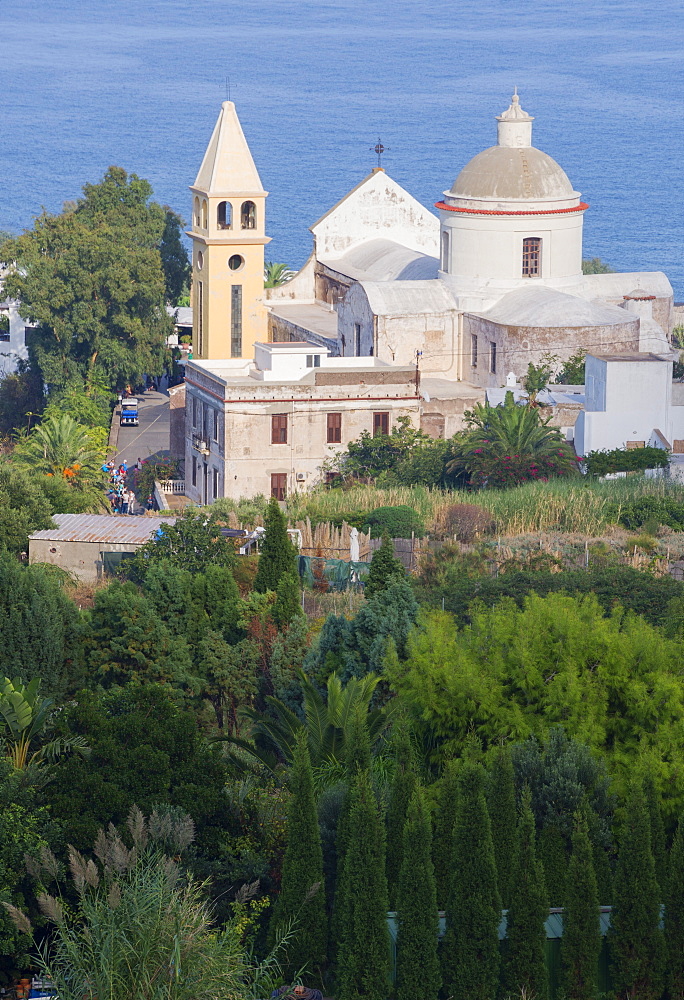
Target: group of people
120	497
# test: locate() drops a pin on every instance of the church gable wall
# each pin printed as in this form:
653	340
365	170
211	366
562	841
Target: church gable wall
517	346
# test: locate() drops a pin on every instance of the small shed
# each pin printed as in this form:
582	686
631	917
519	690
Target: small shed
89	545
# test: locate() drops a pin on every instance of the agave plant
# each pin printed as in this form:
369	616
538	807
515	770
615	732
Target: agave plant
329	721
26	731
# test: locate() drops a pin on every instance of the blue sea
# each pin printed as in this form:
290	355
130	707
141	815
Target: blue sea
89	83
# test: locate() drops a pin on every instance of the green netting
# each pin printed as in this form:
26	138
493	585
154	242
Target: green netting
338	574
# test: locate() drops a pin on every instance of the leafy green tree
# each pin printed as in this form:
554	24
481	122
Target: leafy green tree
174	257
493	679
674	917
363	955
510	444
370	456
226	677
192	543
538	377
39	626
572	372
276	274
21	398
145	750
25	506
91	280
278	555
126	641
384	568
637	946
503	819
444	824
302	893
417	962
470	949
525	965
287	605
581	941
595	265
403	786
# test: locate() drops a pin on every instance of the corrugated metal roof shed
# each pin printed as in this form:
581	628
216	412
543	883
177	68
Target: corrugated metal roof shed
121	528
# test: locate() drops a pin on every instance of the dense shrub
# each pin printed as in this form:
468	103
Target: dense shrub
399	522
466	521
635	513
601	463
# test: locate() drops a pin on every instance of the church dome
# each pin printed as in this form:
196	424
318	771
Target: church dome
506	173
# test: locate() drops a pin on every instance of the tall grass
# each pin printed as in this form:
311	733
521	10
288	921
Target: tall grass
585	507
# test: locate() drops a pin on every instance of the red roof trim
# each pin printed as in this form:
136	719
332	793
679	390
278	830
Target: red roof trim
582	207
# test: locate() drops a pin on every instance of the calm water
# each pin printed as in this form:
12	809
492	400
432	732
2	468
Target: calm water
88	83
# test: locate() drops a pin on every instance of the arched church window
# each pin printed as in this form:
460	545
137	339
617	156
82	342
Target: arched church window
531	257
445	250
197	212
204	214
248	215
224	215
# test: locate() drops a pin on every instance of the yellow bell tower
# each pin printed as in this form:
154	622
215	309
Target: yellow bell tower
229	235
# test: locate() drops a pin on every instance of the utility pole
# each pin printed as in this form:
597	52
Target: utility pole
419	355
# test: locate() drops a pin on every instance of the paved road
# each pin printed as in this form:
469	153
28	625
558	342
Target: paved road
151	436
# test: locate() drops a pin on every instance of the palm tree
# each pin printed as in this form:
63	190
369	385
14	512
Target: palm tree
276	274
329	721
59	446
511	443
25	735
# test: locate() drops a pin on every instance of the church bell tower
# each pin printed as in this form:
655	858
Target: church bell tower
229	235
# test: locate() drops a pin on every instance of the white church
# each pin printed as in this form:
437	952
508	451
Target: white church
397	312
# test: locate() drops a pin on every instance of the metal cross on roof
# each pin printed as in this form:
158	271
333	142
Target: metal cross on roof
379	149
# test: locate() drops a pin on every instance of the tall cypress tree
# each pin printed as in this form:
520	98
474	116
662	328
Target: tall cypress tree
637	946
364	953
503	818
403	786
302	890
384	568
470	949
287	604
417	962
443	839
526	930
674	917
655	817
278	555
581	941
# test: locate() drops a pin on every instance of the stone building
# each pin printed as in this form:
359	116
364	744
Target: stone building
397	312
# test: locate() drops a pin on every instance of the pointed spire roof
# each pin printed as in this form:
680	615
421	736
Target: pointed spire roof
228	168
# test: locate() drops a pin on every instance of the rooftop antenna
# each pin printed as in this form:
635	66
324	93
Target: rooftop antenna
379	149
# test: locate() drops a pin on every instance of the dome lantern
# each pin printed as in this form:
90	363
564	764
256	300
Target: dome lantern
515	125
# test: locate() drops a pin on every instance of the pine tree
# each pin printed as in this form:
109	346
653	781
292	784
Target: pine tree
525	966
553	853
581	941
287	604
417	962
363	955
302	891
383	568
658	848
637	947
403	786
503	819
470	949
443	839
278	555
674	917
